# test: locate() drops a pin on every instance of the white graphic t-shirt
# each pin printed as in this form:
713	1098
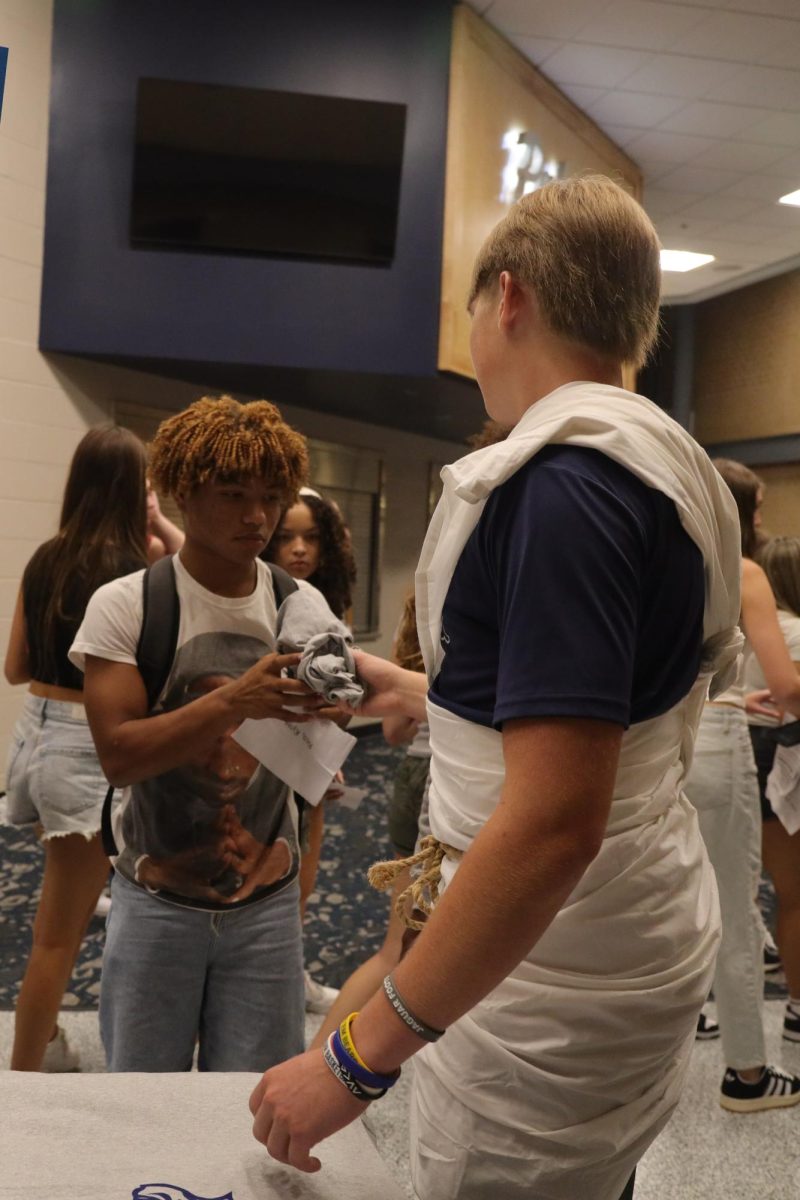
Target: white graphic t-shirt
197	834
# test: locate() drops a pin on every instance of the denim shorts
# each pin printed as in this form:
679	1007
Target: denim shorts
53	776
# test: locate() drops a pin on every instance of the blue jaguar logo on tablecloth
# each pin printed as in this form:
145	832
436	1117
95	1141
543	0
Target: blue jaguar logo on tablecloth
169	1191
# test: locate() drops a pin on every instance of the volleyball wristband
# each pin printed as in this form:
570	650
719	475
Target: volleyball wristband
426	1032
361	1074
366	1094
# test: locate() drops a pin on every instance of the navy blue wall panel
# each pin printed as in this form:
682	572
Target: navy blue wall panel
101	297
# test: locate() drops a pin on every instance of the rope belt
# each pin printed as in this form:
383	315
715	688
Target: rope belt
423	891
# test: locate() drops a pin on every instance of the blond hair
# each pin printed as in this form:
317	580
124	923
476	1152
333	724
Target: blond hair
221	438
591	255
407	651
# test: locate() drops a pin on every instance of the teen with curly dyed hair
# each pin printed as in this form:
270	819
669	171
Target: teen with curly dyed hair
204	934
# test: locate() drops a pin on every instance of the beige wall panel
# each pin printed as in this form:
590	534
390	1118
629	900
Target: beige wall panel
781	511
494	89
747	362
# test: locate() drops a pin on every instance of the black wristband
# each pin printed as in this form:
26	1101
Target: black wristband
401	1008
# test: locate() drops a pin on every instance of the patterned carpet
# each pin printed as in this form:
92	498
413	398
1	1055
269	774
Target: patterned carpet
345	921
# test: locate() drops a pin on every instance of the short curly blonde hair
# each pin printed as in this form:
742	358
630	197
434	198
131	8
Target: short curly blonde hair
219	437
591	255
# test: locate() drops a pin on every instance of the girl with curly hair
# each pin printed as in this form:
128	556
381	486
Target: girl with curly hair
312	542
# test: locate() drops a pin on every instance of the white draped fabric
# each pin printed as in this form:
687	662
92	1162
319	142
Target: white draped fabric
555	1084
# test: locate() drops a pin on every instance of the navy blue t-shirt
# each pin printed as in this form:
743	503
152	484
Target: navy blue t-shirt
578	594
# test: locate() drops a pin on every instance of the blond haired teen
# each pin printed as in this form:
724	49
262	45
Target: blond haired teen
577	594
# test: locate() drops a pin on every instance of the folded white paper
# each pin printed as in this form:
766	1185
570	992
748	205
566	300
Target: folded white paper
306	756
351	797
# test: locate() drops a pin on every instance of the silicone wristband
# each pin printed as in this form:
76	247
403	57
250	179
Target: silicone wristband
368	1079
426	1032
345	1078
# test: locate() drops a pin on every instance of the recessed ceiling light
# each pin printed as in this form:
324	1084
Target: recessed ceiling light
683	260
791	198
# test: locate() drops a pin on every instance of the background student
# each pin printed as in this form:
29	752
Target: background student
54	779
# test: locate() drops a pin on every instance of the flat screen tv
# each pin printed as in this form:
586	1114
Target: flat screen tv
251	171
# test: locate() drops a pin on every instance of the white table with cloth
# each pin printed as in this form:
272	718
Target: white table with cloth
162	1137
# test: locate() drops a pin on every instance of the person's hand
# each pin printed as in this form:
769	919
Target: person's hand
261	692
259	864
296	1105
383	682
187	873
761	704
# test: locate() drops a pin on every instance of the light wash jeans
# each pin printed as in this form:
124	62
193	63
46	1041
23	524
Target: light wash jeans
171	975
723	787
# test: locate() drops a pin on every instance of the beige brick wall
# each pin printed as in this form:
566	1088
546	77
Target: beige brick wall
781	511
747	381
40	422
747	362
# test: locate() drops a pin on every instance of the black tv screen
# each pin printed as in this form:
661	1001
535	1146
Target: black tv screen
247	170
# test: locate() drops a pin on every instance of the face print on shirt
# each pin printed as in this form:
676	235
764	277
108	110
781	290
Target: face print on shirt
219	828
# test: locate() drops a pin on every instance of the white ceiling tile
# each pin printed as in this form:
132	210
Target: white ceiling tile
775	8
787	164
733	252
777	128
779	245
695	178
738	37
711	120
777	217
584	97
537	50
735	155
643	24
622	135
723	208
633	108
680	75
766	87
673	230
767	188
746	232
658	202
784	53
597	66
657	146
543	18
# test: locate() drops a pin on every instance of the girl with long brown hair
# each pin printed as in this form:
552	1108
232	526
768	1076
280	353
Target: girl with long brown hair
54	779
723	786
780	560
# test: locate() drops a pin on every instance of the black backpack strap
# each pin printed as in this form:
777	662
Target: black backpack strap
161	616
106	830
282	583
155	651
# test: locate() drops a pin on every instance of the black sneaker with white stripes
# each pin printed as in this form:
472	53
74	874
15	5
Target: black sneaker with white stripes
775	1089
791	1024
772	960
707	1028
